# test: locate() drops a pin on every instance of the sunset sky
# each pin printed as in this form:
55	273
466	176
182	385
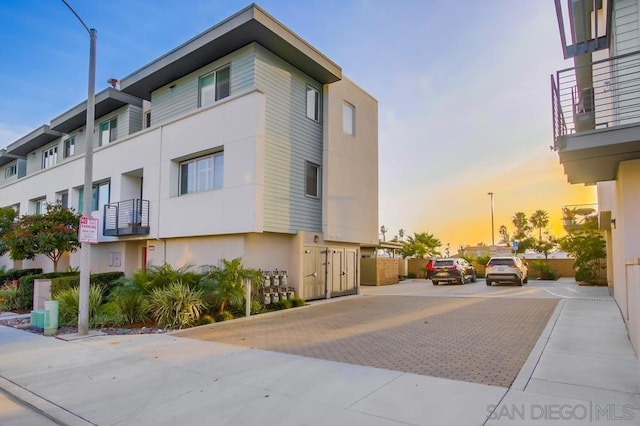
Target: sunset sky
463	91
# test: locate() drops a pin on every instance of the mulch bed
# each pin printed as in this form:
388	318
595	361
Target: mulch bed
136	328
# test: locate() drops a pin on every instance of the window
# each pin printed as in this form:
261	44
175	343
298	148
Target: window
49	157
11	170
202	174
108	131
312	180
39	206
213	86
69	147
147	119
63	198
99	196
313	103
348	119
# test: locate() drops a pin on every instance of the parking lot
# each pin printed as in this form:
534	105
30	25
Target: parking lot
473	332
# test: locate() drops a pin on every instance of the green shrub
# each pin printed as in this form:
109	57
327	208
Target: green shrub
9	298
224	316
108	314
69	302
546	272
412	275
297	301
239	307
16	274
176	305
64	283
108	281
206	319
133	306
282	304
162	276
25	287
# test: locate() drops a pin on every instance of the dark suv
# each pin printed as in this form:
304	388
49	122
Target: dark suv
454	270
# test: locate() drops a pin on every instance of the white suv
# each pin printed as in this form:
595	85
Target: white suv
507	269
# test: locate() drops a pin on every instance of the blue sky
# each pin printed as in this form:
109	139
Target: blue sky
463	90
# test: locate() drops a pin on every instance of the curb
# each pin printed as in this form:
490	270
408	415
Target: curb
41	406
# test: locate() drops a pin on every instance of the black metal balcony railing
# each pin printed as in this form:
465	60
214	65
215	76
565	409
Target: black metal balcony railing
596	95
130	217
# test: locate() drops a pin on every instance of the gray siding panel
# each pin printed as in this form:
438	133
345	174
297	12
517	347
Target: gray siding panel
291	140
135	119
626	28
171	102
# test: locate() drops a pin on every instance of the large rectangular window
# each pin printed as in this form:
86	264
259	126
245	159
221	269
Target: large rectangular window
202	174
49	157
312	180
100	195
108	131
313	103
348	119
69	147
214	86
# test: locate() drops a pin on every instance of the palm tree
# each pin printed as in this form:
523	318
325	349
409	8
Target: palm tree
539	219
504	234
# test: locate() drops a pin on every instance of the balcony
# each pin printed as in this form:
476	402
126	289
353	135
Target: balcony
577	216
130	217
596	117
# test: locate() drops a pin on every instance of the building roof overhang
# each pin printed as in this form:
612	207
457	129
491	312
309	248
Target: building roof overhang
251	24
37	138
106	101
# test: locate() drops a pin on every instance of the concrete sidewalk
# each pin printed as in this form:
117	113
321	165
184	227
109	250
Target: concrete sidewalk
581	371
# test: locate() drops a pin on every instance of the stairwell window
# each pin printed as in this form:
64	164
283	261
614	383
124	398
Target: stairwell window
348	119
11	170
313	103
69	147
108	131
202	174
214	86
49	157
312	180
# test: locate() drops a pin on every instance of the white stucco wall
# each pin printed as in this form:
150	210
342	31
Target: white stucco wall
350	167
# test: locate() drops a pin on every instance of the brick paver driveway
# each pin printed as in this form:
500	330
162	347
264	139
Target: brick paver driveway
481	340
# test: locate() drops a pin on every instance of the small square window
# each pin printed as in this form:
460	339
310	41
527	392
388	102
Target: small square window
214	86
312	180
40	206
313	103
348	119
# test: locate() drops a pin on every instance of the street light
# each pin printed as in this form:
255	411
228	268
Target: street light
493	241
85	248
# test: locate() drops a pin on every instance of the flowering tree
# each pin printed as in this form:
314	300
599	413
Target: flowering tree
51	234
7	217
